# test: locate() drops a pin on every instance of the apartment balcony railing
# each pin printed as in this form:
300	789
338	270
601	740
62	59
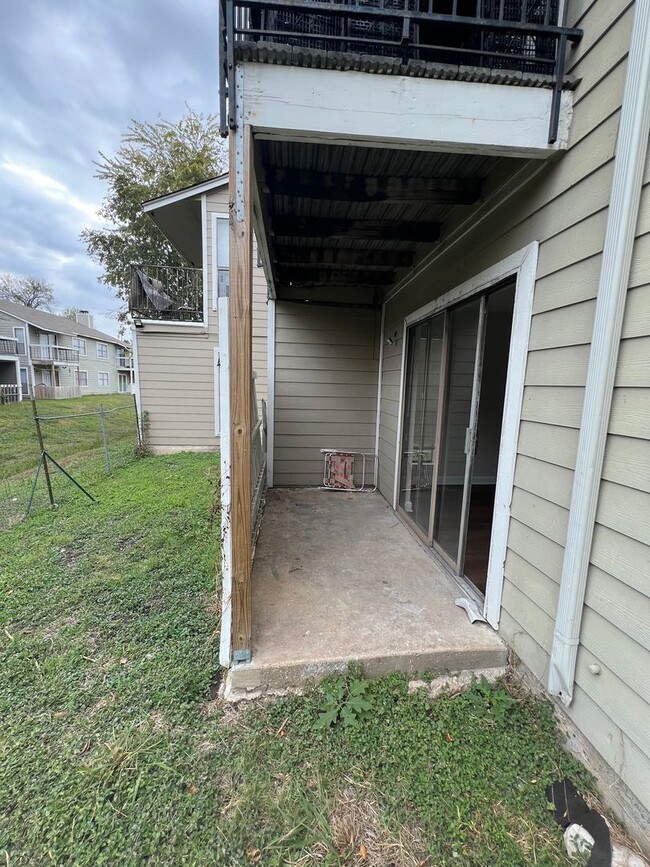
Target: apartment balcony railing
525	36
125	361
166	293
47	354
8	346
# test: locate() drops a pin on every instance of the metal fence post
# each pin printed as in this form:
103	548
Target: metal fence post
102	418
137	420
39	435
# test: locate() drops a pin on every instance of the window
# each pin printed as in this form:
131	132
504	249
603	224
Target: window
81	378
79	344
220	257
103	379
123	383
102	350
24	380
19	337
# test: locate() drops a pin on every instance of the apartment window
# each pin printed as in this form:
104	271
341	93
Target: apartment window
123	383
79	344
24	380
81	378
220	256
103	379
102	350
19	337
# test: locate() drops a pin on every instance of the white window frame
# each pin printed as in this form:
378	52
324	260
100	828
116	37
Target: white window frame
20	379
105	345
123	378
105	373
521	265
77	374
24	340
82	352
224	220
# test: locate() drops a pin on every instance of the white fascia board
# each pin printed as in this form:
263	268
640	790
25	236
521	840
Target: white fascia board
190	193
400	111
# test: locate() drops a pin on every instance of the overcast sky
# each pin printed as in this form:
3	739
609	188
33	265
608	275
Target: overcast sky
72	75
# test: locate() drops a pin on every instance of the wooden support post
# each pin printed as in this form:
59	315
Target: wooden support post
241	371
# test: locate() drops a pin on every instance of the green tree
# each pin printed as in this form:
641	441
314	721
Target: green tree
30	291
71	313
153	159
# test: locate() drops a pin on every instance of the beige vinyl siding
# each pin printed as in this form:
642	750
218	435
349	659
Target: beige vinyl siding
176	362
326	369
565	207
615	633
217	203
176	380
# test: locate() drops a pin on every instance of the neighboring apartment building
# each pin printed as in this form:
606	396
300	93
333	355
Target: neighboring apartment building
54	357
453	213
178	330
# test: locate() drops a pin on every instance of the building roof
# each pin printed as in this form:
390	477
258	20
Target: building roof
58	324
186	193
178	216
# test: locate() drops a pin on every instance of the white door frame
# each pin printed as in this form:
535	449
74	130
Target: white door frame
521	265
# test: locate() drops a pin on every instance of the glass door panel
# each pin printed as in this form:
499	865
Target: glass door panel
464	357
422	387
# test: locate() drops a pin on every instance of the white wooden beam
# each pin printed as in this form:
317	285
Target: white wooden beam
399	111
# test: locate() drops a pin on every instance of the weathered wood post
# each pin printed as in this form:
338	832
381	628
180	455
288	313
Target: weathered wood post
241	370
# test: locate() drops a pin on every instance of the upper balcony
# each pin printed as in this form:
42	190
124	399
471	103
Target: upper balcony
8	346
50	354
294	52
124	361
165	293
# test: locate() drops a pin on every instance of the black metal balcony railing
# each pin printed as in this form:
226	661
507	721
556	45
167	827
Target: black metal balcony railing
524	36
166	293
8	346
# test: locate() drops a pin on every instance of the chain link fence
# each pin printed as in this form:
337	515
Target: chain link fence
55	450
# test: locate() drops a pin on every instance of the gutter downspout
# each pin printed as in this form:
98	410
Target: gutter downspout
629	168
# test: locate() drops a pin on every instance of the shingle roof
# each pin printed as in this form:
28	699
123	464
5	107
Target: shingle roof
51	322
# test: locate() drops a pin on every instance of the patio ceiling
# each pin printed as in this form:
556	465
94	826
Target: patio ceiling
343	223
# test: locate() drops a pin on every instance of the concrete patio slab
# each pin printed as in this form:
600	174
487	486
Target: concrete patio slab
337	577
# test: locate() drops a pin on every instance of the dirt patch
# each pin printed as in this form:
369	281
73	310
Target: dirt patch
127	542
360	836
54	629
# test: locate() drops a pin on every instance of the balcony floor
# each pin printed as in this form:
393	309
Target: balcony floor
337	578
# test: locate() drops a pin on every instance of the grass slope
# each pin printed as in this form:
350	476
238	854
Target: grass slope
19	450
113	750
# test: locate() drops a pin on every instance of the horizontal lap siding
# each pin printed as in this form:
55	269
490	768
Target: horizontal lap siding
217	203
615	632
176	383
326	370
565	208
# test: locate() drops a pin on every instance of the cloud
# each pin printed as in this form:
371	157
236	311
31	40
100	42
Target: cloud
74	75
51	188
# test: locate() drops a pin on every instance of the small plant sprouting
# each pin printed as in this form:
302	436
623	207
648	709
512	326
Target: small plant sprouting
484	698
345	701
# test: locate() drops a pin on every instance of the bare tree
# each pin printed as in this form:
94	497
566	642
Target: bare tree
30	291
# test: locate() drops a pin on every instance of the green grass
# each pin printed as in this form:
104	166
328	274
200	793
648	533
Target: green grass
114	750
19	451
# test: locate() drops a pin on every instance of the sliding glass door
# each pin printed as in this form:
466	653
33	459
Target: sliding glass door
444	359
424	363
466	327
